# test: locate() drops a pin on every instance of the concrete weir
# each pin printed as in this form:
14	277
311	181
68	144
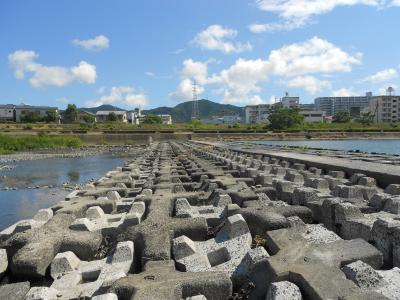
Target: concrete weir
189	220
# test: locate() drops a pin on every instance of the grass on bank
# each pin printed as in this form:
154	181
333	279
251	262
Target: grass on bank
176	127
11	144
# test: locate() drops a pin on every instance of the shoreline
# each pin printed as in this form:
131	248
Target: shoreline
84	151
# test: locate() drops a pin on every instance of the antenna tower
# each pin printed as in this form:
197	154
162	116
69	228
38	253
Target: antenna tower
195	104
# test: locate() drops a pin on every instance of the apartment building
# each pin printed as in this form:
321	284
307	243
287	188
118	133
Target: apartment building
352	104
385	108
14	113
257	113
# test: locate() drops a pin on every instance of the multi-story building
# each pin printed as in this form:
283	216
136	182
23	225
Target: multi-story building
385	108
135	117
313	116
290	102
7	113
103	115
14	113
352	104
257	113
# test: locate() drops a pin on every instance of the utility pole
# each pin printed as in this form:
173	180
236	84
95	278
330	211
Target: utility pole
195	102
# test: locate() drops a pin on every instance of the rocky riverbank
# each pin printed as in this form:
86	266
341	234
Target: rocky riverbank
63	153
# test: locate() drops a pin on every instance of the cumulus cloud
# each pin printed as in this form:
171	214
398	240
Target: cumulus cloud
219	38
298	13
99	42
126	95
381	76
24	62
296	65
344	92
315	55
311	84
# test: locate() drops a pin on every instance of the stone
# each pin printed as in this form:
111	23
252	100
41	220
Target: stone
284	290
367	181
41	293
160	281
14	291
393	189
74	278
32	251
392	205
108	296
39	219
315	268
230	251
3	262
363	275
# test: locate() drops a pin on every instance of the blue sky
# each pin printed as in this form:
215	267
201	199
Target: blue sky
148	52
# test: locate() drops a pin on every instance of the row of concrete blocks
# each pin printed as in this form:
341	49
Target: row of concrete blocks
387	287
96	222
379	223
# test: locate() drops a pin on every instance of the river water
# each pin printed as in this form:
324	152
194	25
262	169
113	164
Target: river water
388	146
39	183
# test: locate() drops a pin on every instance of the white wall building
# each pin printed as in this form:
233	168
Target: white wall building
7	113
257	113
231	119
385	108
290	102
10	112
313	116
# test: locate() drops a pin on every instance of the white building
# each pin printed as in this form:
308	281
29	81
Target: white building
135	117
313	116
103	115
232	119
14	113
7	113
257	113
290	102
385	108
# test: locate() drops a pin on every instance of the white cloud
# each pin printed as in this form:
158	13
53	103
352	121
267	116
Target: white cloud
42	76
123	95
150	74
311	84
381	76
344	92
298	13
97	43
219	38
178	51
312	56
293	64
63	100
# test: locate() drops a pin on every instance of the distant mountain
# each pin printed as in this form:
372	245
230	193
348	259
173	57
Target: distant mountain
183	111
94	110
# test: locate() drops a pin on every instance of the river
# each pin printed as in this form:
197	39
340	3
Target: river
37	184
388	146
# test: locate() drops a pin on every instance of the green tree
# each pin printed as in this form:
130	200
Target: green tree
341	117
196	123
31	117
71	113
152	119
366	118
89	119
51	116
112	117
284	118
